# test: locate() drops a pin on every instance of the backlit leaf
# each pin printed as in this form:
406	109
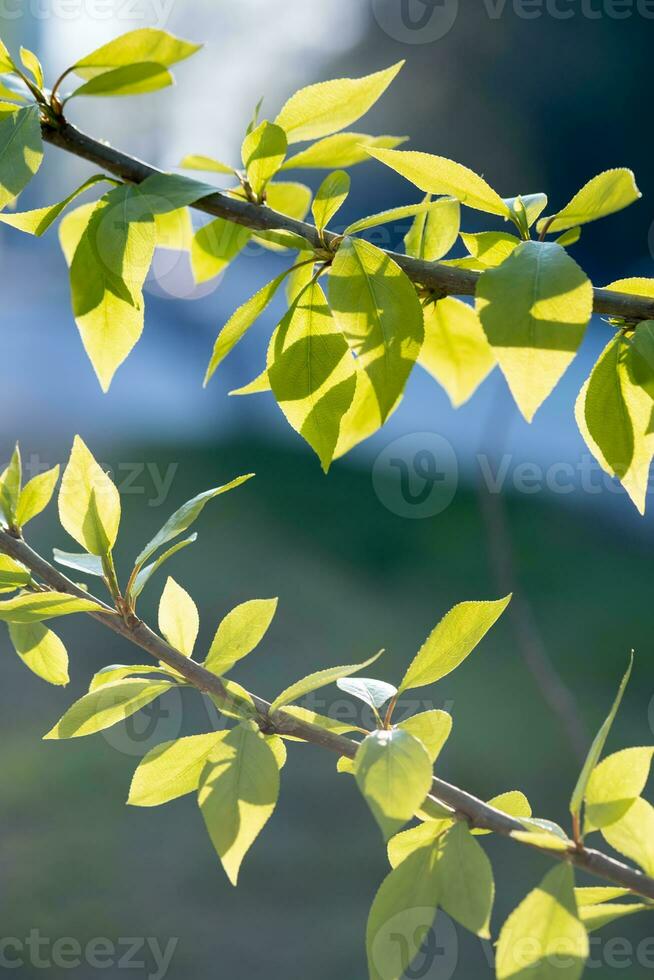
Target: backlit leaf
136	79
312	682
605	194
263	153
89	503
239	633
21	151
214	246
614	784
34	608
36	495
340	150
455	350
144	44
179	621
633	835
394	774
330	197
106	706
171	769
432	728
41	650
366	689
434	232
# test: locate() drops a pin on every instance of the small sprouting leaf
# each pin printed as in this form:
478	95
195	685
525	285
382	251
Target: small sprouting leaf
179	621
41	650
433	233
145	44
466	889
340	150
451	641
214	246
171	769
366	689
34	608
394	774
13	575
376	307
146	573
36	495
106	706
633	835
455	351
525	209
432	728
238	792
87	564
10	483
263	153
330	197
21	151
33	65
136	79
597	747
534	309
544	938
89	503
614	785
196	161
438	175
312	682
605	194
392	214
325	108
239	633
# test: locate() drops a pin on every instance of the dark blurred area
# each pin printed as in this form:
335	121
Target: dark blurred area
533	103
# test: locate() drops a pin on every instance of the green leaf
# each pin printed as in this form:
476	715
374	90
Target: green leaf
240	322
33	65
10	491
38	221
393	772
392	214
144	576
570	237
21	151
407	841
263	153
172	769
404	909
311	372
312	682
322	721
87	564
136	79
466	889
13	575
106	706
490	248
438	175
291	198
174	230
605	194
340	150
186	515
613	415
534	309
41	650
633	835
168	192
641	357
597	747
597	895
614	785
433	233
525	209
118	672
451	641
36	495
236	703
196	161
325	108
514	803
432	728
239	633
6	63
279	239
179	621
329	198
376	307
366	689
238	793
144	44
34	608
214	246
455	350
544	938
89	503
597	916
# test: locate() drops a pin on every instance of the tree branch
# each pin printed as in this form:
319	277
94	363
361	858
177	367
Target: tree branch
465	806
434	275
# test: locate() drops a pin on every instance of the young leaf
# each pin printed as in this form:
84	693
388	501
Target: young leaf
633	835
433	233
118	672
605	194
239	633
137	79
87	564
534	309
490	248
38	221
392	214
171	769
291	198
404	909
263	153
145	44
6	63
13	575
393	772
376	307
597	747
329	198
325	108
209	164
179	621
340	150
525	209
438	175
238	793
89	503
466	889
182	519
34	608
33	65
455	351
41	650
432	728
21	151
106	706
407	841
366	689
10	483
214	246
451	641
614	785
597	916
144	576
312	682
544	938
311	372
36	495
514	803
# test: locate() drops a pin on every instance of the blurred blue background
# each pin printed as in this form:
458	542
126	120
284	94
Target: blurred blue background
534	103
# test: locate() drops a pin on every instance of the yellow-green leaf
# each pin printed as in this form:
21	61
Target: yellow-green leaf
36	495
393	772
144	44
633	835
214	246
34	608
41	650
514	804
196	161
13	575
89	503
146	573
605	194
433	233
239	633
597	916
466	889
263	153
106	706
432	728
312	682
136	79
10	482
340	150
455	351
330	197
21	151
490	248
179	621
407	841
171	769
33	65
614	785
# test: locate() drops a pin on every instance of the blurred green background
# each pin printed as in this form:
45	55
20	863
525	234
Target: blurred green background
534	104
